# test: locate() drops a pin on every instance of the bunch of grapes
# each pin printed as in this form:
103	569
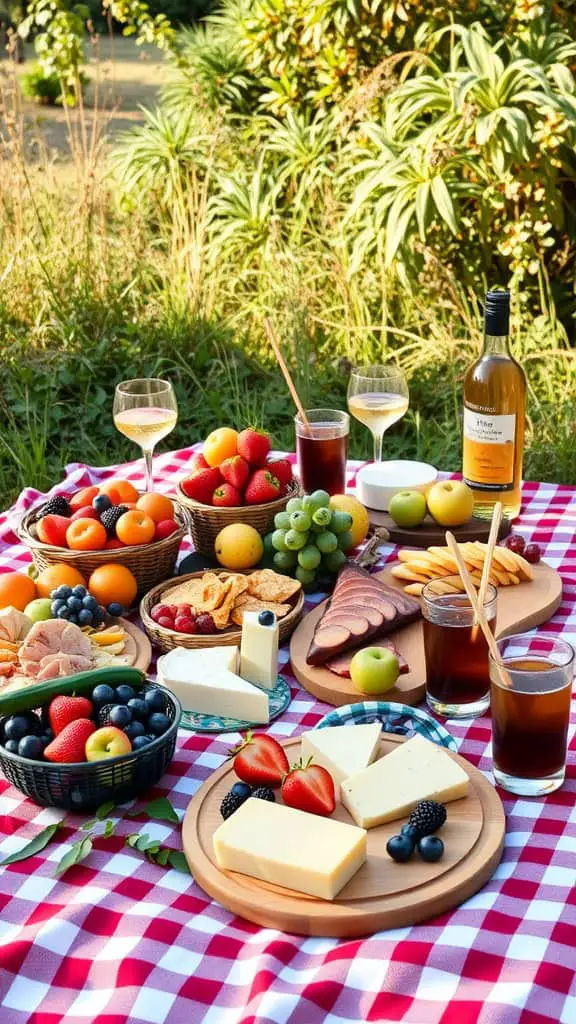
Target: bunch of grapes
310	540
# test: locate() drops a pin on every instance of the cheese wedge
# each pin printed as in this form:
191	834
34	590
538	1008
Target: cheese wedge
391	787
259	648
291	848
343	749
205	684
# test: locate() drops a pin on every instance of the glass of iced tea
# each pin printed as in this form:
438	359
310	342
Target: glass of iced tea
322	450
457	672
530	717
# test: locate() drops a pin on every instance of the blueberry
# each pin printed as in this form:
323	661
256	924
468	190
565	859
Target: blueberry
57	605
141	741
74	603
409	830
266	618
16	727
79	591
61	593
400	848
124	693
154	699
73	618
103	694
90	602
11	746
139	709
101	503
158	723
30	746
100	613
85	617
430	848
63	613
134	729
47	735
115	609
120	716
241	789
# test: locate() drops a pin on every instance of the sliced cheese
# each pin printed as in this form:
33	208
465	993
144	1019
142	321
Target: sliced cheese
343	749
204	684
259	649
291	848
391	787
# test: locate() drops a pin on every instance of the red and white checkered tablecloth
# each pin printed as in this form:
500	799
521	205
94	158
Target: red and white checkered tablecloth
118	940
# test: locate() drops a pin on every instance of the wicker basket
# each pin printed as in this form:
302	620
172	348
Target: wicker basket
206	521
167	639
150	563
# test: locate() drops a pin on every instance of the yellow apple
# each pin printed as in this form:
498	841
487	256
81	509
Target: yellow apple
450	502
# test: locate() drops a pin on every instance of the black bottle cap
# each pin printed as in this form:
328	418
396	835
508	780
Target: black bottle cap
497	313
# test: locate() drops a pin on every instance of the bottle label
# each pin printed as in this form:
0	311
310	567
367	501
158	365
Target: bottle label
488	462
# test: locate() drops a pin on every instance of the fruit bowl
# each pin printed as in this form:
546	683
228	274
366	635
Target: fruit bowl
207	520
86	785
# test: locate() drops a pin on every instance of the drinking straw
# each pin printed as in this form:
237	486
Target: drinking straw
478	609
272	338
494	528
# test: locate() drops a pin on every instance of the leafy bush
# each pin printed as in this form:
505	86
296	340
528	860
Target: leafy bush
50	89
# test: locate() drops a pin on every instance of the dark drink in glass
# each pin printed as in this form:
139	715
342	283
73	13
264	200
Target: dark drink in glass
457	673
321	451
530	716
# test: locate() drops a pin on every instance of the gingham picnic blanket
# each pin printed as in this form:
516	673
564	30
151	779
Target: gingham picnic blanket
120	940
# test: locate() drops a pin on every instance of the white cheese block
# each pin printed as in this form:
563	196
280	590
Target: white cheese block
291	848
259	650
204	684
178	663
391	787
342	749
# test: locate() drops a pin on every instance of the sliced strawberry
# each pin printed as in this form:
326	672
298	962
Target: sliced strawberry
69	746
309	787
260	760
197	462
64	710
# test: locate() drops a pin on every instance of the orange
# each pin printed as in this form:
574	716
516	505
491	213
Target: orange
135	527
58	575
219	445
157	506
113	582
16	589
86	535
119	491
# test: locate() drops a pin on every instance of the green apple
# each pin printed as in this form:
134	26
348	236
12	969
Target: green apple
107	742
373	670
39	610
450	502
408	508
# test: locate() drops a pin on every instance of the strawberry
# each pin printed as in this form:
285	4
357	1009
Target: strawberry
226	496
253	445
262	487
197	462
309	787
52	530
260	760
165	528
235	471
64	710
69	746
282	470
86	512
201	485
84	497
114	543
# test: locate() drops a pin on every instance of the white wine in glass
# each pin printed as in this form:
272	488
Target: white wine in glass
377	397
145	410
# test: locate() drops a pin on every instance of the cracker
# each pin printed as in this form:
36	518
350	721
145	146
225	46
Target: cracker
248	603
403	572
267	585
234	587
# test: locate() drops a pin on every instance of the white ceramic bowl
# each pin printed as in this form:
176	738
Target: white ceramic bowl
377	483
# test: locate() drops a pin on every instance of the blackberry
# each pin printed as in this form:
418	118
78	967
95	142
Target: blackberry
56	506
264	793
427	818
230	803
110	517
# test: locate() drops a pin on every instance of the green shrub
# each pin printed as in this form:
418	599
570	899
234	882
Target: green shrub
48	89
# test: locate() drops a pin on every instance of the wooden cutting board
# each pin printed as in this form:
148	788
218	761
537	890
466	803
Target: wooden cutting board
431	533
143	652
382	894
519	608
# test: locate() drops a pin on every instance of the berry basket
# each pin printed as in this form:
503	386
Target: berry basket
149	563
86	785
207	521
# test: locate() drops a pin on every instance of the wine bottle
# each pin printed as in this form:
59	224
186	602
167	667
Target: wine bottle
494	416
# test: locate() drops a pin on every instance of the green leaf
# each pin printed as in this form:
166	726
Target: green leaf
34	846
178	862
108	829
104	810
161	810
163	856
422	197
77	853
443	201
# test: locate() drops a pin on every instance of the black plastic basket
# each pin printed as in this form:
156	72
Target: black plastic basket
85	786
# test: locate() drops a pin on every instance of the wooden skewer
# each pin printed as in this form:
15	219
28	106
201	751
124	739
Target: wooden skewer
272	338
478	610
494	529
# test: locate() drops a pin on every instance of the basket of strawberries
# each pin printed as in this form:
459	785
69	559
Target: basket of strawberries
234	480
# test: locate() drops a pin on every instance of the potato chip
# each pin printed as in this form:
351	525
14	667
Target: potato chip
414	588
253	604
267	585
191	592
234	586
445	558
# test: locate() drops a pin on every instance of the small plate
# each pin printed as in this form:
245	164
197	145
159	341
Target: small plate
279	698
395	718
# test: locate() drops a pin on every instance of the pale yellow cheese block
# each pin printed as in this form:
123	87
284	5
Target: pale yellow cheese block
297	850
342	750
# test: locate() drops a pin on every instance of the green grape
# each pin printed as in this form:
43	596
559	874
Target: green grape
308	505
317	529
269	548
322	517
345	541
327	542
304	575
295	541
279	540
294	505
282	520
334	560
341	522
300	521
309	557
321	499
285	560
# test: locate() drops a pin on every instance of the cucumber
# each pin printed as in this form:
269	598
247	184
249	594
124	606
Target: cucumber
30	697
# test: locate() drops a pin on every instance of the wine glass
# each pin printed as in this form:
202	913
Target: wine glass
378	397
145	410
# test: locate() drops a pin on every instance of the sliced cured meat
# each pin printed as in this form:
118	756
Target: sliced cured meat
53	666
373	616
358	625
386	609
52	639
341	664
330	636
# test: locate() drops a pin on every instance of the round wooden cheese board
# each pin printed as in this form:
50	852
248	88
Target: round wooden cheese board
141	650
431	533
382	894
519	608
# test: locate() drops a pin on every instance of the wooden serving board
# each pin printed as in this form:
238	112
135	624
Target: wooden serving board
382	894
143	655
431	533
519	608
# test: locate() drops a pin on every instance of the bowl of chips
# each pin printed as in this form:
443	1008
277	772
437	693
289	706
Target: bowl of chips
224	596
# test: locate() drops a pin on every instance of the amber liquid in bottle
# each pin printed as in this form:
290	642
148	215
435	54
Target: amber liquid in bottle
494	415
